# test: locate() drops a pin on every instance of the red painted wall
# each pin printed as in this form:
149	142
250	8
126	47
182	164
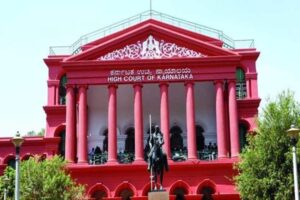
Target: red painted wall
84	68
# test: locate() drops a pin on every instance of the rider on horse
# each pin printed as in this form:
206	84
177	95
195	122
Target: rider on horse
156	141
157	159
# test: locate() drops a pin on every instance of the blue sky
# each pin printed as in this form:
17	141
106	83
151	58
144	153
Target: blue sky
28	28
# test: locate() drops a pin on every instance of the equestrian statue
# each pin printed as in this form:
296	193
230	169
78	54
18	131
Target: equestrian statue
157	159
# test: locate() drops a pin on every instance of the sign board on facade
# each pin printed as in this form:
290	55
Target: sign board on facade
141	75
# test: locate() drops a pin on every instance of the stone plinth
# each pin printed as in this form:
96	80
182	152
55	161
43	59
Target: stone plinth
158	195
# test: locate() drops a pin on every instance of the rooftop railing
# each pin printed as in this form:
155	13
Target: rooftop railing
75	48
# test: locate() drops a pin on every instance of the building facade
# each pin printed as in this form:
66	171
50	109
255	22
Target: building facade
106	94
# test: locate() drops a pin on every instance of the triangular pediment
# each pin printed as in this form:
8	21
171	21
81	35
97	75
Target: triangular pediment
151	40
151	48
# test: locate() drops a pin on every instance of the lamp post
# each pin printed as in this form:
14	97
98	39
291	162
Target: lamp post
6	181
293	133
17	141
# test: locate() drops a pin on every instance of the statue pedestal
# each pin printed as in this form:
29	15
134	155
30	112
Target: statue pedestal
158	195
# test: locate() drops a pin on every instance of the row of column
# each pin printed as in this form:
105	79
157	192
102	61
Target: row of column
70	152
222	118
138	122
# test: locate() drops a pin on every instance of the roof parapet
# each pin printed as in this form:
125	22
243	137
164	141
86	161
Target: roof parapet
75	48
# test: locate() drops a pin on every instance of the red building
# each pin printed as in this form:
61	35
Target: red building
197	84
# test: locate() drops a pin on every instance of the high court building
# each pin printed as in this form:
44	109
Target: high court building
195	82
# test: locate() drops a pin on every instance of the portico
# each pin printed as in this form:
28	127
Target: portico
140	121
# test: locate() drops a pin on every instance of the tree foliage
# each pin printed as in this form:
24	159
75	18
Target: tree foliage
265	170
33	133
43	180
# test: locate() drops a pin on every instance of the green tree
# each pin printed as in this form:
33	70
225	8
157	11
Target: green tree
33	133
43	180
265	169
41	132
10	174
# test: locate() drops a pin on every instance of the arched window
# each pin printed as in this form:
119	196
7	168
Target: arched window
98	192
241	91
62	143
206	188
126	194
26	157
129	141
125	190
128	155
179	193
98	155
178	151
243	129
11	162
200	140
105	141
99	195
62	90
207	193
176	139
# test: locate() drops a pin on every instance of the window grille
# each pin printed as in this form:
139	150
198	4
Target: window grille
241	90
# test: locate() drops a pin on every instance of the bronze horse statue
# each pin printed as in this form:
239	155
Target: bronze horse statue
157	159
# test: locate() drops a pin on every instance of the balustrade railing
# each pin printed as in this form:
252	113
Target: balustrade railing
101	158
207	155
98	158
177	156
125	157
75	48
